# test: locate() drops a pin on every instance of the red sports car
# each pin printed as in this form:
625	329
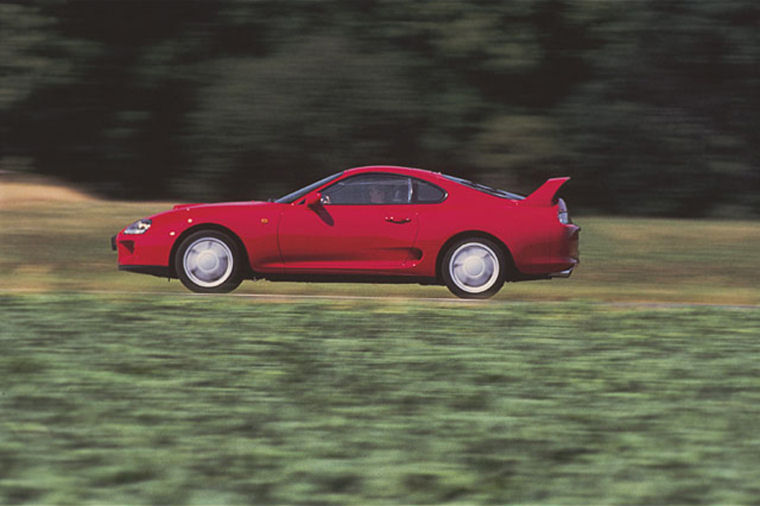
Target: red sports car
375	224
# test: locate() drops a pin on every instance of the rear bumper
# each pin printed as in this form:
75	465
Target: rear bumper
572	250
573	238
550	254
562	274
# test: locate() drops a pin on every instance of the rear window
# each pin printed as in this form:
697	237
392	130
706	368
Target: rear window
485	188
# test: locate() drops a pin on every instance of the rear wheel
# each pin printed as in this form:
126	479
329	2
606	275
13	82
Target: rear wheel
209	261
473	268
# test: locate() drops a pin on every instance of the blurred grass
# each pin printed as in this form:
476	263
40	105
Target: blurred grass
178	399
64	245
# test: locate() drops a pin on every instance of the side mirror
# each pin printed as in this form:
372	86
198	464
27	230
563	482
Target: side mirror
314	200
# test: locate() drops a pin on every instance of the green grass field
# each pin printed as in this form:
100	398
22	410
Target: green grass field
620	385
174	399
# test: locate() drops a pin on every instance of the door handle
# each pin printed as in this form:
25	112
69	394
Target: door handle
397	221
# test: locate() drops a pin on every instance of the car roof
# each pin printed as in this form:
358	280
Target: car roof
394	169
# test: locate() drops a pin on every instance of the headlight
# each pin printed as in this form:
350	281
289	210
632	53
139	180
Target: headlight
138	227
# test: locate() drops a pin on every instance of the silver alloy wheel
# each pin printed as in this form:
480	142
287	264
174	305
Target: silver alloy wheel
208	262
474	267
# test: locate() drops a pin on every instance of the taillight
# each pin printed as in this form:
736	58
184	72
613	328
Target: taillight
562	214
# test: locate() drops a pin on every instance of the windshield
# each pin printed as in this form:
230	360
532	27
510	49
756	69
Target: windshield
484	188
292	197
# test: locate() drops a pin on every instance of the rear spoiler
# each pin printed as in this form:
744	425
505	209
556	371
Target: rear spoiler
546	194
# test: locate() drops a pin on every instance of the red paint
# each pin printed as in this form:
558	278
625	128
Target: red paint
306	238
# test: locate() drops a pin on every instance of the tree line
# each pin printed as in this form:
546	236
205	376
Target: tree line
651	106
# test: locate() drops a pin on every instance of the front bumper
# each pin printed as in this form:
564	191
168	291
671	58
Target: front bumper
147	254
153	270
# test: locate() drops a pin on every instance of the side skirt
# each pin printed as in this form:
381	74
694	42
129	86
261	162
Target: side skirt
349	278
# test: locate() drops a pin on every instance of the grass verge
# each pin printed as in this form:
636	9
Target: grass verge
63	245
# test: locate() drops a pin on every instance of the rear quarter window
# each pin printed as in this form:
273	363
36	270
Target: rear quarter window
426	193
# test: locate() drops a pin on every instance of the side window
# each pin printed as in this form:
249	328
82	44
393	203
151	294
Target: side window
426	193
369	189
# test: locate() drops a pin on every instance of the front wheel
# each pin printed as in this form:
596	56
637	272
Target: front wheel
209	261
473	268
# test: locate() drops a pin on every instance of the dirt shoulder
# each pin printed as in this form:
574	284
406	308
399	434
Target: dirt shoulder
21	188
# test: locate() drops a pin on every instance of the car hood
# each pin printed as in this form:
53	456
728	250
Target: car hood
222	204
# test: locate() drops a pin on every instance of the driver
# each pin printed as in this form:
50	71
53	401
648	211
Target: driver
376	195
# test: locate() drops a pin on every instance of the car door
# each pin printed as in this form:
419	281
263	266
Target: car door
364	225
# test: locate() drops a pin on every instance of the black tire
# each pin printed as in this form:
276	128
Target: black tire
209	261
474	268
